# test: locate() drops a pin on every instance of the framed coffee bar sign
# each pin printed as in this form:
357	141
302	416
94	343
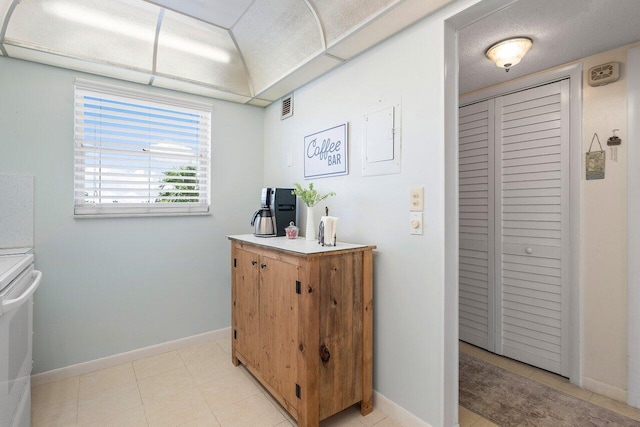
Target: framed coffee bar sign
326	153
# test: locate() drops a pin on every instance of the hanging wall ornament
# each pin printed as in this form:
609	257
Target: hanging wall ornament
613	143
595	161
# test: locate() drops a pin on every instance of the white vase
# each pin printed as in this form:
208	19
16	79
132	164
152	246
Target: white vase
310	233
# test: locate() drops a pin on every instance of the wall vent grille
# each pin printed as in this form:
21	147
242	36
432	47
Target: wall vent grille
604	74
287	107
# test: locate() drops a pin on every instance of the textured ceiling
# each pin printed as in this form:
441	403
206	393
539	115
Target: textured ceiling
562	31
248	51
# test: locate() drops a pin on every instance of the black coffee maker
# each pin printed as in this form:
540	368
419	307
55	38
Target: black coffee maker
281	203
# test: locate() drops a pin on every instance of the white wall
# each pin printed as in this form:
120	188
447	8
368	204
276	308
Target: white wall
604	233
114	285
409	270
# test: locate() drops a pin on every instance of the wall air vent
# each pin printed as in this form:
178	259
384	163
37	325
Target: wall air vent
287	107
601	75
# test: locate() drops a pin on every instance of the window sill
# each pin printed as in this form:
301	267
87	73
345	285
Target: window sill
139	215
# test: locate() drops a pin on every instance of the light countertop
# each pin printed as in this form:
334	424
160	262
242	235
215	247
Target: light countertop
299	245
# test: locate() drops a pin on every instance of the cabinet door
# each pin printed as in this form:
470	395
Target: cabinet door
532	241
246	304
279	326
477	225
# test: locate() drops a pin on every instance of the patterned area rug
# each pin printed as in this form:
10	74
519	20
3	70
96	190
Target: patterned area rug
510	400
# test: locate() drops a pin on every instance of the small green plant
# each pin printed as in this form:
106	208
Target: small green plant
310	195
180	185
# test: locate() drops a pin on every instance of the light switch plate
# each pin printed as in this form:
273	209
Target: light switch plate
415	223
416	199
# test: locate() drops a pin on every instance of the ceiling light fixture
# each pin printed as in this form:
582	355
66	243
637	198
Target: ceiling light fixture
105	22
510	52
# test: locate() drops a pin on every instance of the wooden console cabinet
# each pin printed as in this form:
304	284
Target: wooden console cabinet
302	322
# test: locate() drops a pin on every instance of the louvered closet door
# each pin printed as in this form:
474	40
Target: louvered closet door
476	301
532	233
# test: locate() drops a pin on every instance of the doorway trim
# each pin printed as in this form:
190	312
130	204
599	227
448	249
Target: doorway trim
470	12
633	229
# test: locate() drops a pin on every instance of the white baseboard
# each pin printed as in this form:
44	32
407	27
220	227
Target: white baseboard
397	412
129	356
604	389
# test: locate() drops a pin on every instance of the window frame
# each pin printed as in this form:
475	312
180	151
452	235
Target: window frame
203	161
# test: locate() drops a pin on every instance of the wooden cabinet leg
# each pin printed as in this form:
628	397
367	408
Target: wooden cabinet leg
304	420
234	358
366	407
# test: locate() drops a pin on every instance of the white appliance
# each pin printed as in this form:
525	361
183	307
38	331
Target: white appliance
18	282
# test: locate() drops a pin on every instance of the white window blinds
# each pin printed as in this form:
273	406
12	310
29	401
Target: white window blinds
138	153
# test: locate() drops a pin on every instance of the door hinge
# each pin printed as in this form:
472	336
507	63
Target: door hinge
235	263
298	287
297	391
235	334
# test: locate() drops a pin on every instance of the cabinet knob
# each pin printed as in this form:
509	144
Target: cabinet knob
529	250
263	265
254	262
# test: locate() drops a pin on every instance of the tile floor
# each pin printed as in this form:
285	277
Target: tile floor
199	387
195	386
470	419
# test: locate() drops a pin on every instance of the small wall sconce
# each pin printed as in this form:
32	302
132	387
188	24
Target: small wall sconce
510	52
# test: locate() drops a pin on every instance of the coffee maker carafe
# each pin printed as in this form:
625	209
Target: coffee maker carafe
263	220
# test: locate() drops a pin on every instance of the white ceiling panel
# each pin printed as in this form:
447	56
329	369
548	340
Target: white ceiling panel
117	32
275	38
223	13
200	52
309	71
394	20
339	17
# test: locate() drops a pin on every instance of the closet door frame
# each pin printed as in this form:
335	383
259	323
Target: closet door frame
633	229
574	74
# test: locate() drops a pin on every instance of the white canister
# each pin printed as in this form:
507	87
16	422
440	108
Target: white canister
328	225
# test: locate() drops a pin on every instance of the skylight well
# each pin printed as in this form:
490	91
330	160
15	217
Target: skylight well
243	51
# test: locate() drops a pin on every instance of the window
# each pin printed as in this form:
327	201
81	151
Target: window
138	153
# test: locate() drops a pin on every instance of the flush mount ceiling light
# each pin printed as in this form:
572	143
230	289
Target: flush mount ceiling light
510	52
